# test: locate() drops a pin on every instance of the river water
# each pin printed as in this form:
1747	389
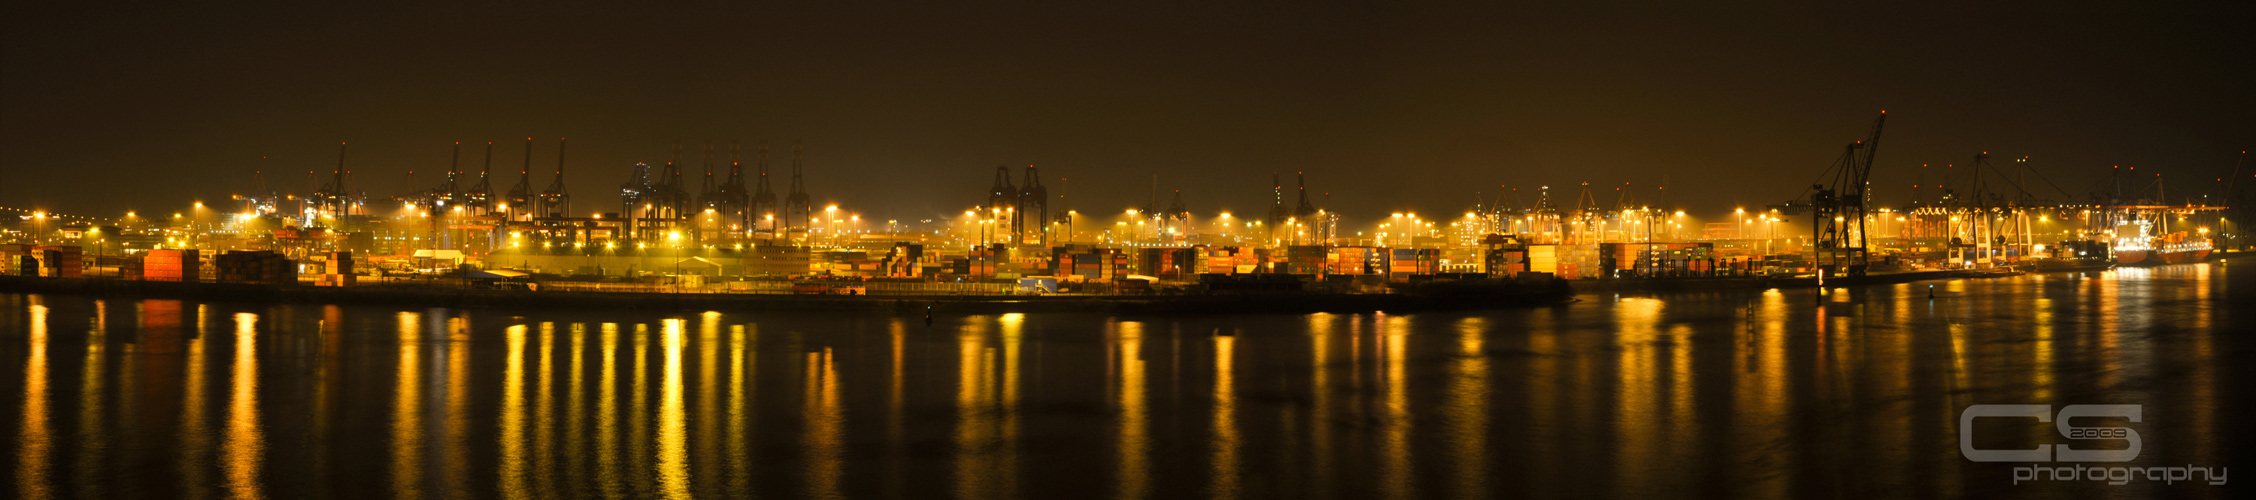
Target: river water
1741	394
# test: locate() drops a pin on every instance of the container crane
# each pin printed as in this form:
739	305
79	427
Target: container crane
1838	206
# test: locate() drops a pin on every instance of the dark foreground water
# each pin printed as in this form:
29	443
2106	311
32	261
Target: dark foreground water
1742	394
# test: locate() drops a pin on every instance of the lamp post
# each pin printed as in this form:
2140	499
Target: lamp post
1139	233
96	233
608	249
830	222
673	238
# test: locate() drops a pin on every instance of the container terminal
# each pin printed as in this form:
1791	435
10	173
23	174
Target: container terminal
734	230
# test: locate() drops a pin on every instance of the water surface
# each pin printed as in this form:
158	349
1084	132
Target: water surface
1739	394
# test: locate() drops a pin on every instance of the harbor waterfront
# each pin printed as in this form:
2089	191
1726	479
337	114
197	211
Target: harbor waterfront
1126	250
1731	393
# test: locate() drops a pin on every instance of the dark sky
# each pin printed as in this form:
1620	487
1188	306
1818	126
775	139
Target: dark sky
907	110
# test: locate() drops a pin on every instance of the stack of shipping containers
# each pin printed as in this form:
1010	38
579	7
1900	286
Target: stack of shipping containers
1169	263
1658	259
1304	259
1235	260
1092	264
128	267
1405	262
60	262
257	267
1503	261
983	260
849	263
1543	259
902	261
1222	260
16	259
1565	261
1579	261
777	260
1357	260
337	271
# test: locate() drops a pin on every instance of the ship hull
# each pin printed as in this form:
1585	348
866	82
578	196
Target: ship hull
2132	257
2064	265
2184	256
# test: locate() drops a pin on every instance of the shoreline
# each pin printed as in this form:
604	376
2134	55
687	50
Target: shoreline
1292	303
1560	292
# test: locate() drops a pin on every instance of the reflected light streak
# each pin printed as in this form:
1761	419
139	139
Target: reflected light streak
1134	439
1225	451
544	413
638	424
457	417
974	395
1319	383
195	435
607	474
35	442
329	383
1542	406
825	439
2040	368
673	434
741	359
512	438
1637	406
708	399
576	400
407	422
1398	477
244	445
1682	402
2203	375
1468	409
1006	462
1762	392
92	441
896	413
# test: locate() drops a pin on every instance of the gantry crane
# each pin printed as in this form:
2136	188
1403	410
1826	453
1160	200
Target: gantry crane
1838	204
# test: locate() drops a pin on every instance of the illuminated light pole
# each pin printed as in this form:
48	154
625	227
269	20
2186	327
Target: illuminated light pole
609	248
1139	229
1739	214
1676	227
96	233
1397	219
673	238
830	222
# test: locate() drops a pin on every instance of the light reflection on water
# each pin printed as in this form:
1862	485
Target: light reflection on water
35	444
1765	394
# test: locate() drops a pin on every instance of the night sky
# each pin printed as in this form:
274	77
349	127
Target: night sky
907	110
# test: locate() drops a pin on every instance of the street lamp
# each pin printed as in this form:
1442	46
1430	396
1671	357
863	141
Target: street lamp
830	221
608	248
673	239
96	233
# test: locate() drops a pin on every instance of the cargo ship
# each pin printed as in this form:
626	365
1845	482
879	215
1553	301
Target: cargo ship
2173	248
